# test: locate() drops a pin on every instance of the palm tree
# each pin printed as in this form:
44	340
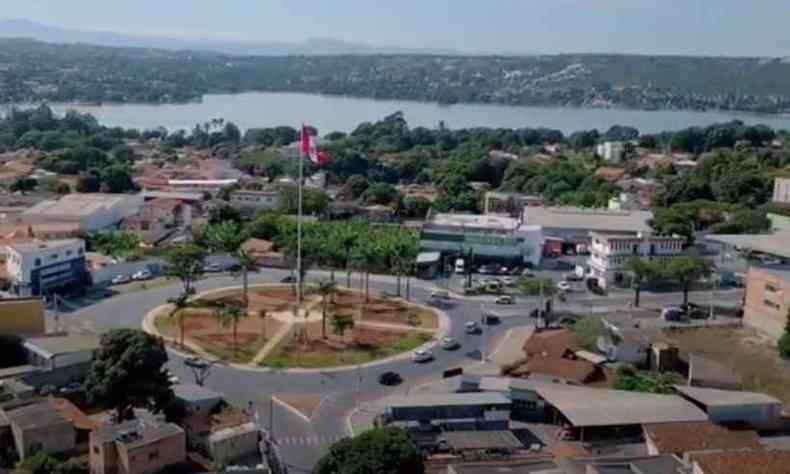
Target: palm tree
180	303
347	238
230	315
229	237
342	323
326	289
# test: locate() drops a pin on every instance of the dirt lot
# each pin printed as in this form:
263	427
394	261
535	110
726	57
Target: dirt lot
750	355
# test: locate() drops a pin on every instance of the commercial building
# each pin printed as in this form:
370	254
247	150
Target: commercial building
774	244
511	204
22	316
93	212
767	299
136	447
458	406
39	267
253	201
489	238
572	225
757	410
782	190
609	253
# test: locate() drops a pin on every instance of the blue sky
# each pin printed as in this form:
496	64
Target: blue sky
720	27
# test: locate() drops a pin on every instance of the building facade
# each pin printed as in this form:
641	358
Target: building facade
767	300
609	252
136	447
23	316
39	267
254	201
92	212
611	151
782	190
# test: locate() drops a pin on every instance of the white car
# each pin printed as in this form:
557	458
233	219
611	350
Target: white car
564	286
505	299
448	344
440	295
142	275
121	279
471	327
421	356
509	281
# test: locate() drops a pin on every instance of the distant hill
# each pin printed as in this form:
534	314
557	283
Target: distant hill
15	28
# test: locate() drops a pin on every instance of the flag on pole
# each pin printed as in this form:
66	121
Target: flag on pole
309	149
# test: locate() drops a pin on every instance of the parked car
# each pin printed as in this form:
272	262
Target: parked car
121	279
505	299
471	327
672	313
71	389
212	268
421	356
489	269
572	277
449	344
390	378
564	286
142	275
440	295
509	281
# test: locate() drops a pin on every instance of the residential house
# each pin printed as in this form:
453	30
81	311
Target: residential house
624	345
224	434
196	399
573	225
551	355
40	426
682	438
38	267
767	299
139	446
262	252
158	218
609	253
751	461
610	173
59	358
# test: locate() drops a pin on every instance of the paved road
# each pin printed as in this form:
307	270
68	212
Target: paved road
302	443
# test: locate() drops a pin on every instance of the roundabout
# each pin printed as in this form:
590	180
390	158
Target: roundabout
333	328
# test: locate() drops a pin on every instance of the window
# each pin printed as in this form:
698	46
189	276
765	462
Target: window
95	450
771	288
771	304
38	262
68	252
153	455
54	256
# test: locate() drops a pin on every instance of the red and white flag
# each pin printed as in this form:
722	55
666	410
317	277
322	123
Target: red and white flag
310	150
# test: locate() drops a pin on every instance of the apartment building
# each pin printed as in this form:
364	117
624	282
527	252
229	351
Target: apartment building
609	252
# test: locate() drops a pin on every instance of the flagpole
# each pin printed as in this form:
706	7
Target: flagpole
299	225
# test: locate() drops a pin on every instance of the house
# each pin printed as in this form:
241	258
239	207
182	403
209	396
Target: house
750	461
92	212
767	299
263	254
781	191
681	438
22	316
611	151
455	406
196	399
224	434
757	410
551	343
136	447
39	267
160	215
38	425
254	201
566	369
610	251
233	443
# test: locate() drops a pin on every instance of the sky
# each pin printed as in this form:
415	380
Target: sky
689	27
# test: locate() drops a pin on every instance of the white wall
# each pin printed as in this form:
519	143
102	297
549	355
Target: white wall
20	265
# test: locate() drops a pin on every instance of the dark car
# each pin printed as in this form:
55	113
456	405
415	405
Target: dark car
390	378
288	279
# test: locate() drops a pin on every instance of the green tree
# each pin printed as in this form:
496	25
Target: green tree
314	201
380	193
687	270
784	341
116	244
229	237
24	184
128	371
642	272
378	451
327	290
229	315
224	213
186	263
116	179
342	323
180	304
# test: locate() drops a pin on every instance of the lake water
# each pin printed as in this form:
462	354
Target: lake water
330	113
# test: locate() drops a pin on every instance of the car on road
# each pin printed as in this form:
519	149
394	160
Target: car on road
564	286
421	356
121	279
288	279
449	344
471	327
505	299
197	362
142	275
572	277
440	295
212	268
390	378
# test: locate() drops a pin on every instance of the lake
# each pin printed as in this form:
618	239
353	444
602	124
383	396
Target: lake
330	113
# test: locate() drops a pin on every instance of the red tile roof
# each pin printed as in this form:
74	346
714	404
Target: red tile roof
743	462
551	343
67	410
679	438
577	371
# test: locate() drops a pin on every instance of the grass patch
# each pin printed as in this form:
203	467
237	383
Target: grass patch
165	325
286	355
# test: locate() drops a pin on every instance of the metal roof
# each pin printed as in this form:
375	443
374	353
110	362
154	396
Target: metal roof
36	415
194	393
450	399
62	344
716	397
588	219
597	407
466	440
774	244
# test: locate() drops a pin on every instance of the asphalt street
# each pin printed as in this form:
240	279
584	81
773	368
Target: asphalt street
301	443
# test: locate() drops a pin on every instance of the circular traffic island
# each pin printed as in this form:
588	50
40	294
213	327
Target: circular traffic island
332	327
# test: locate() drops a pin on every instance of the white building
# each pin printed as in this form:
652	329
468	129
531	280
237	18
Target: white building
611	151
255	200
609	252
782	190
60	350
625	202
93	212
37	267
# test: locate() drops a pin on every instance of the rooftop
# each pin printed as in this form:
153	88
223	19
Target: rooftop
598	407
710	373
63	343
679	438
742	462
183	196
77	204
577	371
38	414
194	393
38	245
475	221
520	467
715	397
588	219
467	440
774	244
453	399
136	433
73	414
550	343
